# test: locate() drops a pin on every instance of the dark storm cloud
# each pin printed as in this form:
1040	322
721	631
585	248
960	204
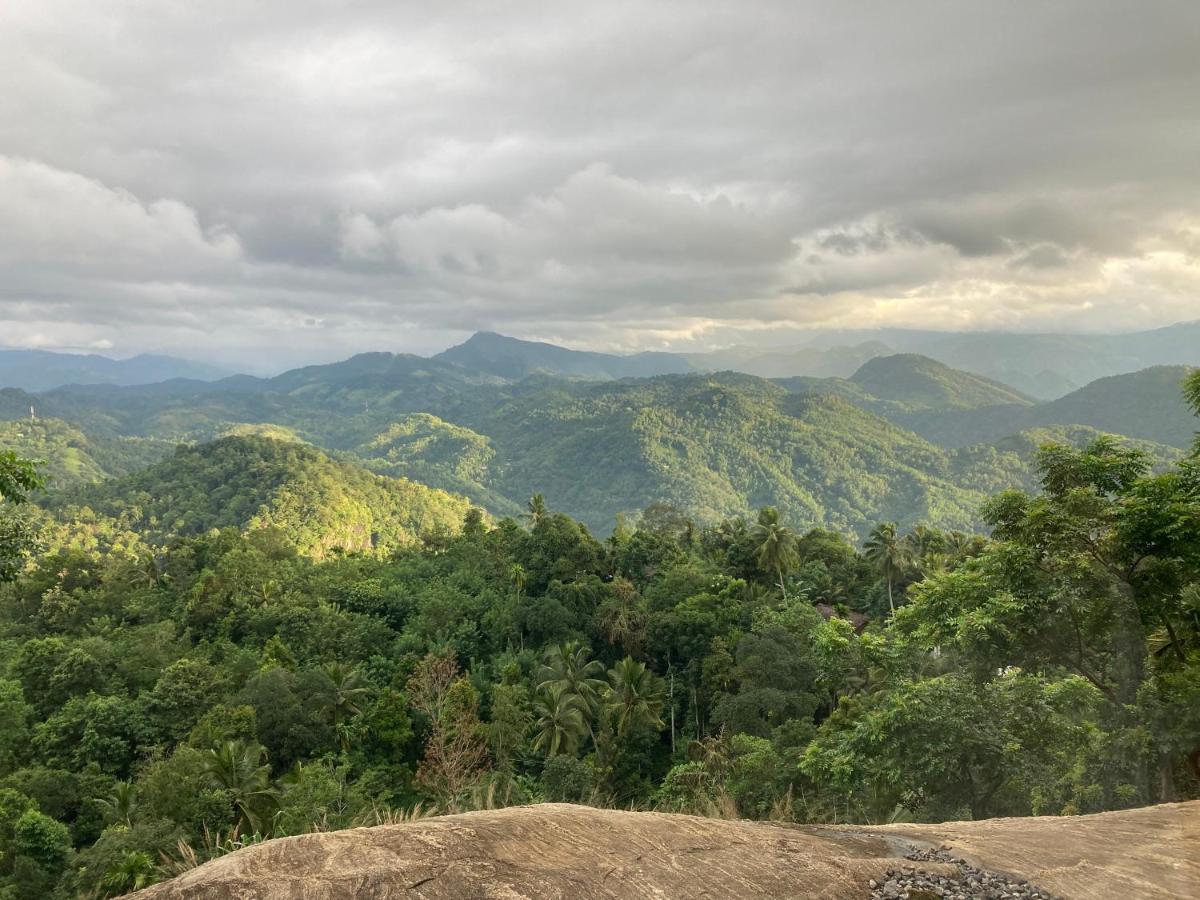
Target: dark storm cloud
204	177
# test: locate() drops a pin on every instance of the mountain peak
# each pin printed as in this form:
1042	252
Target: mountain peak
514	358
919	381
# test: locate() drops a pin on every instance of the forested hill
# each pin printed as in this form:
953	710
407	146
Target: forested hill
918	382
955	409
1042	365
828	452
1147	405
515	359
317	503
40	370
74	458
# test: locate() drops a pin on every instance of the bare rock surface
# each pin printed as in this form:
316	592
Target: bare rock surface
1151	853
563	852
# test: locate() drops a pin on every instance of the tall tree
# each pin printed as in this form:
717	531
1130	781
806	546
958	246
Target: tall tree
570	667
635	695
889	553
622	616
775	546
346	693
240	769
1075	579
535	510
560	721
456	745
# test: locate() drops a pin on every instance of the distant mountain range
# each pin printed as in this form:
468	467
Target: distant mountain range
1041	366
905	437
42	370
1045	366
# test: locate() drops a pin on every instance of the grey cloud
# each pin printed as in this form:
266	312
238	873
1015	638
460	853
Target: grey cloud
198	177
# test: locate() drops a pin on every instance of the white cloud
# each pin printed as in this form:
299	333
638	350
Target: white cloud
59	218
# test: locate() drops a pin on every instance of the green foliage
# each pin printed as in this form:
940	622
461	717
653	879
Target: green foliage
321	505
919	382
566	779
42	839
205	655
18	477
950	747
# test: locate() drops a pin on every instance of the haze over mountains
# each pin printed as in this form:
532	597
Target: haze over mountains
1043	366
40	370
495	420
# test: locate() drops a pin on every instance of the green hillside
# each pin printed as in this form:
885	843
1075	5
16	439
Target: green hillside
427	449
1146	405
515	359
1008	462
840	453
250	483
919	382
74	458
716	446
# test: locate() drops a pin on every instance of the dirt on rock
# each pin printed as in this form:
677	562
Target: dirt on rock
1153	852
563	852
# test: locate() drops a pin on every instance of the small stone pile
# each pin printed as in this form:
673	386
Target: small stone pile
970	883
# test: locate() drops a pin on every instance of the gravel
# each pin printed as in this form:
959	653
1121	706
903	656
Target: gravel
912	882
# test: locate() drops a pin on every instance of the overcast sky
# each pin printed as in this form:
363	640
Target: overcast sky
284	180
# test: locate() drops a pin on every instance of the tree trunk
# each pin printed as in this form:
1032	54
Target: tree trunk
672	696
891	605
1129	670
1166	779
1129	647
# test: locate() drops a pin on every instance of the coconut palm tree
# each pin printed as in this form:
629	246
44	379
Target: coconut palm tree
121	805
517	577
151	572
559	722
776	546
536	510
571	667
635	696
239	769
346	692
889	553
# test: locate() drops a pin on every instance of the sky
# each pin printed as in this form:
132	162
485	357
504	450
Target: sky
268	183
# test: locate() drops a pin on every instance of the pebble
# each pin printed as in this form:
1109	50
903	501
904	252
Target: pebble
908	882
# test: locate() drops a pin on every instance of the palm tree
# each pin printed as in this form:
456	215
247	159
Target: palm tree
621	617
516	575
560	721
571	667
889	554
635	696
121	805
132	872
346	691
537	510
239	769
776	545
926	549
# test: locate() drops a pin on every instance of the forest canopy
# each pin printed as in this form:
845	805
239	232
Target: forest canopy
192	661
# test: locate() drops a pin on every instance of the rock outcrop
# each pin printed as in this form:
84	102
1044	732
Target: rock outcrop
579	853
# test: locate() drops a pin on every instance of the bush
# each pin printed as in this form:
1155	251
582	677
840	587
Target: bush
566	779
